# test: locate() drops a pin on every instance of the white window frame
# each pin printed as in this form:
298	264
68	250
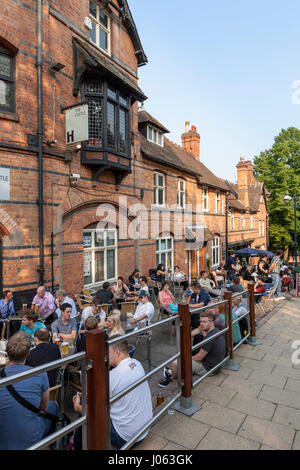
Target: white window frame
167	250
93	249
153	134
251	222
215	251
242	222
180	193
218	202
232	221
263	228
205	199
99	26
259	228
158	188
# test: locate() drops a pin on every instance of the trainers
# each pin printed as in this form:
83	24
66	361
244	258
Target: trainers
165	383
167	372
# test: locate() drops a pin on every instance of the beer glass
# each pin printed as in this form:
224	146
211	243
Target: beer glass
65	348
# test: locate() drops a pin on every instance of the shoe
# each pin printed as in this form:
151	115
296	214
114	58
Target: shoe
279	298
167	372
165	383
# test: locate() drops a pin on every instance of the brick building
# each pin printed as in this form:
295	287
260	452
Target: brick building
63	53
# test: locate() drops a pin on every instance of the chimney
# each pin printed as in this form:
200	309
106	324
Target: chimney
244	177
191	140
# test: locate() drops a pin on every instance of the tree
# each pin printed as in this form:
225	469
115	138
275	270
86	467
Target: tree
279	169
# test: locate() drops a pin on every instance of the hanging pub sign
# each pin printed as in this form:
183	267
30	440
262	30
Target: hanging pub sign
77	120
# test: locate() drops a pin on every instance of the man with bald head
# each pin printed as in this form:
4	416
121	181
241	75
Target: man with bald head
46	301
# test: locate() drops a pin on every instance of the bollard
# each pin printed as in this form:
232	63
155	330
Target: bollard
252	338
229	364
185	404
98	423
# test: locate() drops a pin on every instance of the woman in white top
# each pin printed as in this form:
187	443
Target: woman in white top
113	325
95	310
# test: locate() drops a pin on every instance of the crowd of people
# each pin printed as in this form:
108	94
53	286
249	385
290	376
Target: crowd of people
54	320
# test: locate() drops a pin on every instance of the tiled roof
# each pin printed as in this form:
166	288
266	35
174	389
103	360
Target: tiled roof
144	117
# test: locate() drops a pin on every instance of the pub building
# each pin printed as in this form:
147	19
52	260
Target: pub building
53	194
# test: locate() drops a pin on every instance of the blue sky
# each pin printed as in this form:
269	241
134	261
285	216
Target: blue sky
225	66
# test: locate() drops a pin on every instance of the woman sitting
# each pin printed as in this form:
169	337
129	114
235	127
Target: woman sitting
113	324
120	290
165	298
161	274
134	281
179	276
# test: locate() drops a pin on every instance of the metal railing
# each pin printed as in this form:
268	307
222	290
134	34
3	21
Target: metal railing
48	367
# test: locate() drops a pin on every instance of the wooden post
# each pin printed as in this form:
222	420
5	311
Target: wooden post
98	423
252	339
229	364
186	406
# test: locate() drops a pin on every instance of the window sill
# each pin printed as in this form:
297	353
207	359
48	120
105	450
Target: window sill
9	116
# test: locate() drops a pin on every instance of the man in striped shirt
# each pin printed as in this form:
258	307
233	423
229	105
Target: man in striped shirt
274	270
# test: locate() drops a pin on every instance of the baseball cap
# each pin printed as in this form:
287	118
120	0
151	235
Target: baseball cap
143	293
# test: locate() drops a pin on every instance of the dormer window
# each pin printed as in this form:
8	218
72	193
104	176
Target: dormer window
100	32
155	136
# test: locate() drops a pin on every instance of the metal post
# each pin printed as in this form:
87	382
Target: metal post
98	433
252	339
185	405
229	364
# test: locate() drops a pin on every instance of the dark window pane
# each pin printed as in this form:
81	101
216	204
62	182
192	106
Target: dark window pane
103	39
87	268
110	264
122	130
95	121
111	94
6	98
94	86
99	266
5	65
111	125
160	197
93	33
103	19
123	101
93	9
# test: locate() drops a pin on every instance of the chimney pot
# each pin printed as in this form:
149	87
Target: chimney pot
187	126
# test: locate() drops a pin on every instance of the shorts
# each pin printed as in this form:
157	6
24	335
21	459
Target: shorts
198	368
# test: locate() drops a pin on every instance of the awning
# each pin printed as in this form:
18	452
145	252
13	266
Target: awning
85	58
196	236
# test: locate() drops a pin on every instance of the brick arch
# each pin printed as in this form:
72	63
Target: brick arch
9	40
8	225
94	204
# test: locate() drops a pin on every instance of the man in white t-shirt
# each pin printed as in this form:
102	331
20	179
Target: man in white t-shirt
95	310
144	311
133	411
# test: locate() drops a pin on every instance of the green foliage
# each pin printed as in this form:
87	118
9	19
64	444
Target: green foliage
279	169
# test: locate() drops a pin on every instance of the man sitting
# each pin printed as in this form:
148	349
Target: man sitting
199	298
43	353
144	311
239	309
30	324
62	298
7	309
19	427
65	327
208	284
210	354
259	288
95	310
46	303
106	294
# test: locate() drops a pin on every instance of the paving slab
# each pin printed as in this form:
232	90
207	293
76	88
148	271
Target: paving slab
245	351
224	440
276	360
262	377
257	365
292	385
243	386
153	442
252	406
296	444
181	429
174	446
288	416
289	372
272	434
279	396
220	417
243	372
212	393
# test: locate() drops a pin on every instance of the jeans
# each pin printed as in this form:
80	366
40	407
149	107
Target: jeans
46	424
276	284
117	440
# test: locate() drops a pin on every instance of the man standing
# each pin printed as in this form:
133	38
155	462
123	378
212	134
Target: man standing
230	266
210	354
274	270
7	309
65	326
46	303
62	298
19	427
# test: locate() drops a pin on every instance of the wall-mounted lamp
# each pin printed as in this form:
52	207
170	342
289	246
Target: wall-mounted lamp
56	67
51	142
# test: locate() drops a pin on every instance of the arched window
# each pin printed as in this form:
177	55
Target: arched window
7	80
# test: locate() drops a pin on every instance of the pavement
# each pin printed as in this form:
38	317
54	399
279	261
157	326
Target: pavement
254	408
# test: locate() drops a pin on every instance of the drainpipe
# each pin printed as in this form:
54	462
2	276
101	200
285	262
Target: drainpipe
40	201
226	224
1	270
